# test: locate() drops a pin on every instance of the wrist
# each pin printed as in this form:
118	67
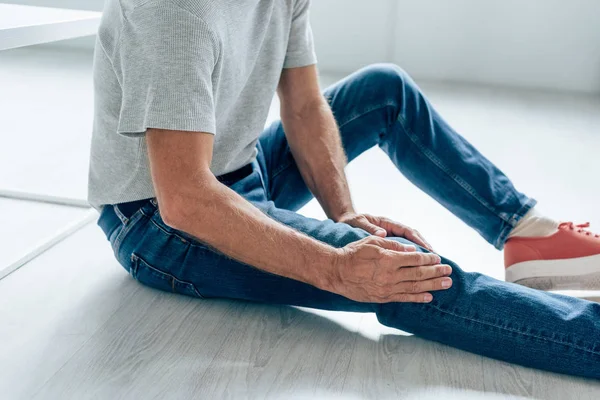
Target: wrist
328	267
320	267
342	215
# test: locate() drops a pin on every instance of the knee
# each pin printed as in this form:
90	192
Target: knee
388	78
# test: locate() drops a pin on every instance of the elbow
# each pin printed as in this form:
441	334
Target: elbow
172	213
179	209
175	210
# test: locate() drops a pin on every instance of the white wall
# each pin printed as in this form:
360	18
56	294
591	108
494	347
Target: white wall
552	44
549	44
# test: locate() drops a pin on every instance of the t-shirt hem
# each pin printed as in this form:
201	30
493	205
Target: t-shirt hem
167	122
301	60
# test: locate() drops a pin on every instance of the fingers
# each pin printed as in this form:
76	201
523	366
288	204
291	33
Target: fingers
373	229
424	286
377	231
423	273
408	298
416	237
416	291
391	244
399	259
380	226
398	229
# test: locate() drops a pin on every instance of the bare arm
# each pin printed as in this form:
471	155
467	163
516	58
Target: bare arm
192	200
314	140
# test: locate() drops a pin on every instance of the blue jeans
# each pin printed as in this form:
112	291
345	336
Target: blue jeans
380	105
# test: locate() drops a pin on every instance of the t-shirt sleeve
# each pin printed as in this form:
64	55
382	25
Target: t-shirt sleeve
300	51
166	58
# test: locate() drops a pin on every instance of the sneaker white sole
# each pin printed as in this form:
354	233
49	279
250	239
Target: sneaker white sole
571	274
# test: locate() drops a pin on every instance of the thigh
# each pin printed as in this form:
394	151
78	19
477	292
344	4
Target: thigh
364	105
477	314
170	260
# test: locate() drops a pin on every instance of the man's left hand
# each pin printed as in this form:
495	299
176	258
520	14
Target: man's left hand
383	227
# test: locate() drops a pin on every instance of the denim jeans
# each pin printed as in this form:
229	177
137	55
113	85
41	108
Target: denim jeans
380	106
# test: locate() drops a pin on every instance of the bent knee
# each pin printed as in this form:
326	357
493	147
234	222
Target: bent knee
389	82
387	75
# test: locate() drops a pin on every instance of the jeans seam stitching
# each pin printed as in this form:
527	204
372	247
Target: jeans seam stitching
355	116
161	272
513	222
279	170
121	216
126	229
518	332
456	178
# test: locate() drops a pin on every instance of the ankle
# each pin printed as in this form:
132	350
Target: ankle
534	224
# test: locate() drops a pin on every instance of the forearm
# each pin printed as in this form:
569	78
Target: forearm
223	219
315	143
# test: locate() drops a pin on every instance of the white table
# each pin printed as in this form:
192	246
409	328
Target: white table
26	26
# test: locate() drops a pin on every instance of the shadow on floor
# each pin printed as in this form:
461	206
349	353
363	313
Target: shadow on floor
159	345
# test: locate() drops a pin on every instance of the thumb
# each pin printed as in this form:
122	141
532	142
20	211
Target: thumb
373	229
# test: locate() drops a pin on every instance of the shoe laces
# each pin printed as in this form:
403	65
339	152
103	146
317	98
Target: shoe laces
580	228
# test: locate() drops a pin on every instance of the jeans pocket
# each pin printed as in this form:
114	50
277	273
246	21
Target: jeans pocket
124	230
153	277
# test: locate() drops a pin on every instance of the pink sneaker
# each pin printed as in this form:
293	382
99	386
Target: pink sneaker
566	260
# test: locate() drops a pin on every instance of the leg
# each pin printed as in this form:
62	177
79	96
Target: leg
478	314
381	105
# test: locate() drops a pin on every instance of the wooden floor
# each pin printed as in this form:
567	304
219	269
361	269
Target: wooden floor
74	325
79	327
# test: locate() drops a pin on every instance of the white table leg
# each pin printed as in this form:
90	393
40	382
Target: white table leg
49	243
43	198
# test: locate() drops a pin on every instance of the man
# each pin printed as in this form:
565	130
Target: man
195	200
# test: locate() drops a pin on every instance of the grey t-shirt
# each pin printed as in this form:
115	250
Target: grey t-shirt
191	65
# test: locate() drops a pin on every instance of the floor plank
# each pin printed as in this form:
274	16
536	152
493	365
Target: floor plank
77	326
51	306
255	360
24	225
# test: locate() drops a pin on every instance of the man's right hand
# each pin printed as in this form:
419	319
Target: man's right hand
378	270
